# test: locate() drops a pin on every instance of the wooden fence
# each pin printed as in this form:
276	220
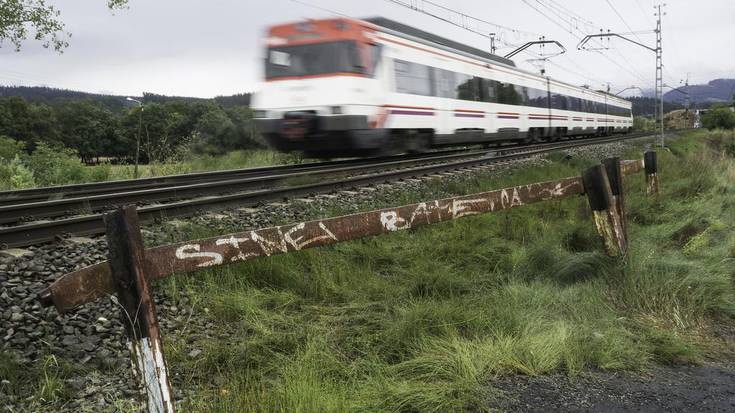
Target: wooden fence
130	266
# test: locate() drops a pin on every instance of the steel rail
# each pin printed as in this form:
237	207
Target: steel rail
39	232
234	181
22	196
49	209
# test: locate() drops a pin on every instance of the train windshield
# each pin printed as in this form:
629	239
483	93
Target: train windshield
313	59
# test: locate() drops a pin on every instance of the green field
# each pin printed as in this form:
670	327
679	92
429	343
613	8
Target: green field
424	321
49	167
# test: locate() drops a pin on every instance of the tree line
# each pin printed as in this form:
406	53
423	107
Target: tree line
94	131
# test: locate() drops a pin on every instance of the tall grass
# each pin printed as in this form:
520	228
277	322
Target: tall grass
426	320
48	166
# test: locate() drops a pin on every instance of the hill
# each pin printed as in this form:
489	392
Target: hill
115	103
718	90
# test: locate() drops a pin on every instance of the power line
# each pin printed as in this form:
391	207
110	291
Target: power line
478	19
463	20
622	19
556	8
645	14
573	14
314	6
561	9
638	75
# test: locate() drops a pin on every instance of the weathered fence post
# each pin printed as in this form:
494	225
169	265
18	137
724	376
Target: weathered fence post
615	178
128	268
604	212
649	161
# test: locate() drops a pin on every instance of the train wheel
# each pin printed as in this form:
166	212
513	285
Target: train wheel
419	143
530	137
394	145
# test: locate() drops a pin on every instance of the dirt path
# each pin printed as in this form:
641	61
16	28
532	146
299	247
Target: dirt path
705	388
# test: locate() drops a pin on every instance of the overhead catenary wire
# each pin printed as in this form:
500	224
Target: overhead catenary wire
464	20
507	44
314	6
565	15
571	32
625	22
646	14
418	6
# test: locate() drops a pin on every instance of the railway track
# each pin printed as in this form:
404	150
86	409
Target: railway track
192	193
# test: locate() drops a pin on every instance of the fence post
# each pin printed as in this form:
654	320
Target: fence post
604	213
615	177
127	262
649	161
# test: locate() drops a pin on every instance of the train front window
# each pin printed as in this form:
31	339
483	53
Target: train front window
314	59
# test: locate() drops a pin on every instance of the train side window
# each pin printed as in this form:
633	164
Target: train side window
376	52
490	90
508	95
464	87
522	93
413	78
572	101
477	89
537	98
559	101
444	83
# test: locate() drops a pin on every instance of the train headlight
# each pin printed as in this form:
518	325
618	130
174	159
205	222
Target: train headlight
336	110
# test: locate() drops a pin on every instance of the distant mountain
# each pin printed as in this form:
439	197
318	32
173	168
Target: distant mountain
718	90
646	106
113	102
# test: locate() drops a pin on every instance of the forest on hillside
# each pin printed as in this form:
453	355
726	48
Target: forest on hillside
109	126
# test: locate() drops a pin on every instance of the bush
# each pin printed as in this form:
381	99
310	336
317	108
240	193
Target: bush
9	148
55	165
15	175
643	124
719	117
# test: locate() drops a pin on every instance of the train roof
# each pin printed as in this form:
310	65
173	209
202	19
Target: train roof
412	31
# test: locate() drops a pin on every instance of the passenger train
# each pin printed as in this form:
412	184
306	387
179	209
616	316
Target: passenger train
344	86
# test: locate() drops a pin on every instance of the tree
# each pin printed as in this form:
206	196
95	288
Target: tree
217	133
9	148
88	128
28	122
247	135
16	16
719	117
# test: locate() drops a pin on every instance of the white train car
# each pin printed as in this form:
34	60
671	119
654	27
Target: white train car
344	86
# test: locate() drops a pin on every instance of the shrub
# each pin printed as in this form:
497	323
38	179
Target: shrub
15	175
9	148
719	117
55	165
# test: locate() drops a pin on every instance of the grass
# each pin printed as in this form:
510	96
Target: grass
233	160
426	320
50	167
423	321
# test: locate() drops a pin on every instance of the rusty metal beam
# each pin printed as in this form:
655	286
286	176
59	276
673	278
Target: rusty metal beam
88	284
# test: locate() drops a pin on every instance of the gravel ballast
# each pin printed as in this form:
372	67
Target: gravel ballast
89	341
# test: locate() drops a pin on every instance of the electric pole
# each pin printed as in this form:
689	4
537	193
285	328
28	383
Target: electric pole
659	64
660	72
492	43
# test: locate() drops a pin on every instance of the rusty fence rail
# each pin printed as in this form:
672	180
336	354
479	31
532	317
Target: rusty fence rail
130	267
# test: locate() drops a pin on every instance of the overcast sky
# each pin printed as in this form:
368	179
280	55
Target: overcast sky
207	48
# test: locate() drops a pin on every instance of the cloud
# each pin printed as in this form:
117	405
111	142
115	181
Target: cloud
190	47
